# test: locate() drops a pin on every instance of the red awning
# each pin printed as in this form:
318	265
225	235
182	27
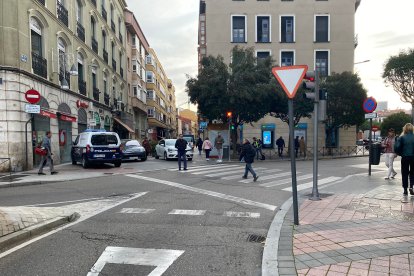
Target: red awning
124	125
67	118
47	114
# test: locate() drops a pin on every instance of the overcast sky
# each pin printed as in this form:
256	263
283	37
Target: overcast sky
383	27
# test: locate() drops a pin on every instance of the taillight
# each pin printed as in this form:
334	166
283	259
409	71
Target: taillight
89	149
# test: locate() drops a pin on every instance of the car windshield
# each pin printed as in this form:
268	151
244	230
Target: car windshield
170	143
104	139
188	139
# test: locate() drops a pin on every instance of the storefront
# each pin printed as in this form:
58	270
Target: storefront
65	120
40	124
107	123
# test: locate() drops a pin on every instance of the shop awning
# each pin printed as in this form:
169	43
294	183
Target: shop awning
124	125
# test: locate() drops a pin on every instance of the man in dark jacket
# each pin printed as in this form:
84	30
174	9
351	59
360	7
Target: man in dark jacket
181	146
280	145
48	157
248	153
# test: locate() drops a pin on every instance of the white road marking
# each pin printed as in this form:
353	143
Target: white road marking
202	167
238	171
206	192
82	218
266	177
208	168
239	176
310	184
69	201
162	259
241	214
187	212
285	181
215	170
136	211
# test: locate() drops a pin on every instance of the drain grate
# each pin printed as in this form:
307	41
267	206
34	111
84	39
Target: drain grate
256	238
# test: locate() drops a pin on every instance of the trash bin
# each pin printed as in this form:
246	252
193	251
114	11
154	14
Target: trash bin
375	154
226	152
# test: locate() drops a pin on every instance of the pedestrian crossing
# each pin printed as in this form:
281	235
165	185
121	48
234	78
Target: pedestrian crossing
183	212
268	178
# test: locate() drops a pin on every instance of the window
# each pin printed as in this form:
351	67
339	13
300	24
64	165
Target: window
322	62
134	41
263	29
105	84
150	94
36	37
287	31
150	76
148	60
322	28
135	91
94	80
134	65
287	58
262	54
78	11
151	112
238	29
93	27
63	74
80	67
104	40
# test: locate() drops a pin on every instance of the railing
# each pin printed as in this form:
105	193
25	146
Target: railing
96	93
80	31
106	98
121	72
62	13
113	26
82	87
323	152
39	65
94	45
105	55
113	65
104	14
43	2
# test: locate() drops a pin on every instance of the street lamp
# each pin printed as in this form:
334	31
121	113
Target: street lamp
63	57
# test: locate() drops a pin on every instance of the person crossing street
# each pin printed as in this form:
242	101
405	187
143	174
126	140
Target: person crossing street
247	154
181	146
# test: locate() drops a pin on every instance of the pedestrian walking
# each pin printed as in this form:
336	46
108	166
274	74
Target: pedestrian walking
302	147
199	145
181	146
296	146
207	146
247	154
404	146
280	143
218	144
46	144
389	154
257	144
147	146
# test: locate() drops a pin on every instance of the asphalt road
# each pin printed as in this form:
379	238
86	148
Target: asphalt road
196	222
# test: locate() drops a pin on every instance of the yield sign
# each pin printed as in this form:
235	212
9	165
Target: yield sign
290	78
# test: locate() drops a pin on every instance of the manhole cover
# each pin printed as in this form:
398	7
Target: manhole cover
256	238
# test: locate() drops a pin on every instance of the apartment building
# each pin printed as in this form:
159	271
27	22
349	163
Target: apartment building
318	33
137	50
160	100
72	52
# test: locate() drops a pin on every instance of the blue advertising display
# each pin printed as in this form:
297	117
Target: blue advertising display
267	137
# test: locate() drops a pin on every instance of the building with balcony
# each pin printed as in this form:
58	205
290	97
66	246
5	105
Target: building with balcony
137	50
319	34
63	50
160	100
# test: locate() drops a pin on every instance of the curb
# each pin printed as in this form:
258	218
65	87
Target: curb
23	235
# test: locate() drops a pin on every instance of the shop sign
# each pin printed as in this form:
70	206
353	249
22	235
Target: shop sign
48	114
67	118
32	108
92	122
80	104
302	126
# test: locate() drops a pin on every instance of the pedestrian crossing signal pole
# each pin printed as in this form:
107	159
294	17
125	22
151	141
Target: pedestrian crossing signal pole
229	119
290	77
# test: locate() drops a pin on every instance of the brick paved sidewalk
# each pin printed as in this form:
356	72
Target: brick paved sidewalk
351	234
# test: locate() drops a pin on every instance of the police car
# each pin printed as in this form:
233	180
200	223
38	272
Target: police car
97	146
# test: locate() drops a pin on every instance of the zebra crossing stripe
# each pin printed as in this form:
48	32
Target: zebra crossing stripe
310	184
215	170
198	167
232	172
208	168
187	212
267	177
241	214
239	176
285	181
136	211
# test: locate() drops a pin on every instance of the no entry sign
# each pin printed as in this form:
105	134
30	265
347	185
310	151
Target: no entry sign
369	105
32	96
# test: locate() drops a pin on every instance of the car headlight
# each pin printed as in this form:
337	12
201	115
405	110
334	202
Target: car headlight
170	150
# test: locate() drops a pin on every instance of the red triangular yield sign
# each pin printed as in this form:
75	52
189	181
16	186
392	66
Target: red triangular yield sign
290	78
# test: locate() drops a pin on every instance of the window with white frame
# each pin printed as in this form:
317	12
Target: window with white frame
287	58
134	41
150	94
134	65
238	23
135	91
287	29
260	55
148	60
151	112
322	62
322	28
263	29
150	77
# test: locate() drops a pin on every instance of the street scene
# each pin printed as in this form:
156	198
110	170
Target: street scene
206	137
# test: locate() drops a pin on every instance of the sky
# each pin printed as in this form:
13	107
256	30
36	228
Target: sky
384	28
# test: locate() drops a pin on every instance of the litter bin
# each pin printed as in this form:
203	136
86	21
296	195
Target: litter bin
226	152
375	154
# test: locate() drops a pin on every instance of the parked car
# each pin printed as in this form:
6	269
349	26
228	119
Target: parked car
166	149
96	146
132	150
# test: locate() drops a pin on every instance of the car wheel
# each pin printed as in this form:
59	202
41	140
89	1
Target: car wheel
117	164
85	162
165	156
144	158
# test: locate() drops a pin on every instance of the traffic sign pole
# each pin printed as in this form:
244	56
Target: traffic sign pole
315	192
369	147
293	163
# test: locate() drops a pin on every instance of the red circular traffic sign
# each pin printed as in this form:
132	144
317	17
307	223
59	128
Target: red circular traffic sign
32	96
369	105
375	128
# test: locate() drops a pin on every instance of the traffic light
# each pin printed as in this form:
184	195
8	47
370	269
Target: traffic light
229	114
309	80
323	93
232	127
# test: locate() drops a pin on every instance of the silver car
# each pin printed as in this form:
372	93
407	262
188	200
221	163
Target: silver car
166	149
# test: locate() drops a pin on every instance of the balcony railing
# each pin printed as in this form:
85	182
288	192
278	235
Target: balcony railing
105	55
94	45
94	2
113	26
80	31
120	37
104	14
62	13
121	71
43	2
106	98
96	93
113	65
39	65
82	86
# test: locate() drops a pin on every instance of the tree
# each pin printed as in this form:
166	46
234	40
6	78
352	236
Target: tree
366	125
242	88
344	103
399	73
395	121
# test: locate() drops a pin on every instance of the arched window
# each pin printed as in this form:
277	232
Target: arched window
79	11
63	73
93	27
39	64
81	75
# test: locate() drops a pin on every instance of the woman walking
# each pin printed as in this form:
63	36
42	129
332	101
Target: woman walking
247	154
388	145
207	146
404	146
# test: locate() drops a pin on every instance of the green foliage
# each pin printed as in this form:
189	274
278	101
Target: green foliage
399	73
365	126
395	121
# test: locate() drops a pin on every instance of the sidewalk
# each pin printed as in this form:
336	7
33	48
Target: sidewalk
351	234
